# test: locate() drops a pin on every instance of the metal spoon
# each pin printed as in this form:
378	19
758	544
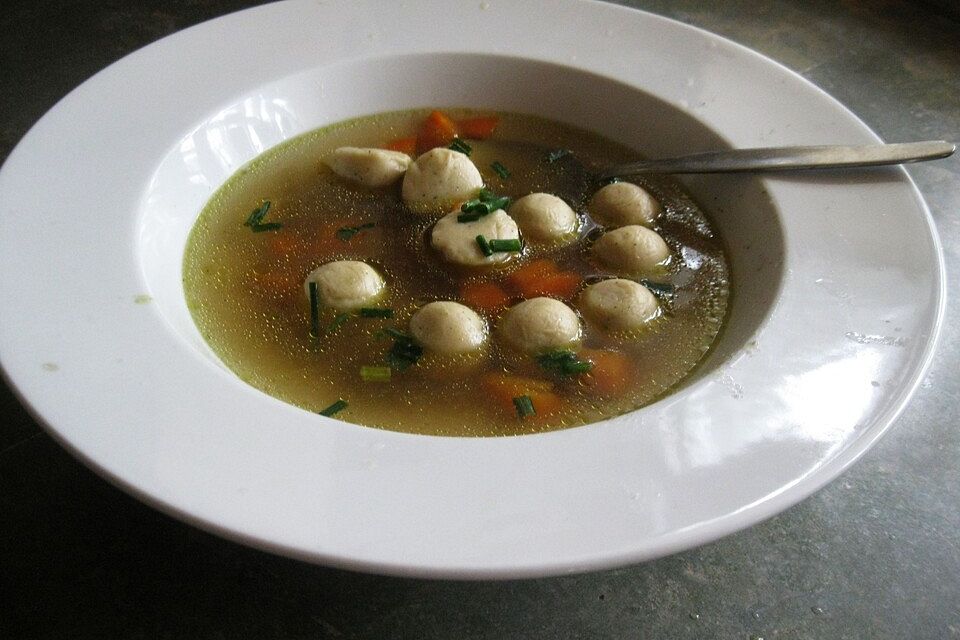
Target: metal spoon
789	158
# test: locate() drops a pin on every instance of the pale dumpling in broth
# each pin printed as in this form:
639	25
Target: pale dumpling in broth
438	179
448	328
539	325
545	218
624	203
346	284
457	241
618	304
369	167
632	251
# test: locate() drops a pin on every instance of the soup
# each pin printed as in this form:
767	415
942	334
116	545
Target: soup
489	287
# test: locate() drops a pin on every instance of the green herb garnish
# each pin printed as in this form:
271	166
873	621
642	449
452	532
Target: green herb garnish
486	202
266	226
511	245
375	312
314	309
345	233
460	146
564	362
524	406
336	407
257	214
404	353
375	374
255	219
660	289
338	321
558	154
485	248
500	170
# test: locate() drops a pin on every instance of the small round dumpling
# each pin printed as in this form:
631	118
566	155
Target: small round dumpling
632	250
369	167
448	328
346	284
544	218
623	203
618	304
439	179
539	325
457	241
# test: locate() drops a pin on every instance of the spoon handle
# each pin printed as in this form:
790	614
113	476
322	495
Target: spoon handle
789	158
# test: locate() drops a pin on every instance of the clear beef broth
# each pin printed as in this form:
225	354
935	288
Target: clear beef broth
246	293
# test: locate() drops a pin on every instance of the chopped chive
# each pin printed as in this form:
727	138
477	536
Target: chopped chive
486	202
375	312
500	170
345	233
658	288
266	226
314	309
524	406
336	407
558	154
484	246
564	362
578	366
338	321
404	354
396	334
469	217
505	246
375	374
460	146
257	214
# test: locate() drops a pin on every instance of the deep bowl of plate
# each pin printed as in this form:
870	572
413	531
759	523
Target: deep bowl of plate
820	353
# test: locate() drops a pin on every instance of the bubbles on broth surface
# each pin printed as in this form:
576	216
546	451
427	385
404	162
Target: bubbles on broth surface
246	292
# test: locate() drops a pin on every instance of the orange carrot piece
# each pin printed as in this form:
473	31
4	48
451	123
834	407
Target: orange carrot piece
527	276
478	128
404	145
558	285
611	371
504	387
484	296
438	130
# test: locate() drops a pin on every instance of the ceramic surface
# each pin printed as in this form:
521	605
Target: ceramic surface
838	292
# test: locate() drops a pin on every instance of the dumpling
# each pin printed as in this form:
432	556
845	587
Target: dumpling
632	251
448	328
543	217
623	203
369	167
346	284
539	325
439	179
618	304
457	241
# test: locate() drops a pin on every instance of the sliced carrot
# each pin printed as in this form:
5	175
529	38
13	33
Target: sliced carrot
478	128
527	276
504	387
558	285
484	296
404	145
611	371
438	130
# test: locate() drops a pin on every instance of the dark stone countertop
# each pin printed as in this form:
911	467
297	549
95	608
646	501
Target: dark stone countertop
876	554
